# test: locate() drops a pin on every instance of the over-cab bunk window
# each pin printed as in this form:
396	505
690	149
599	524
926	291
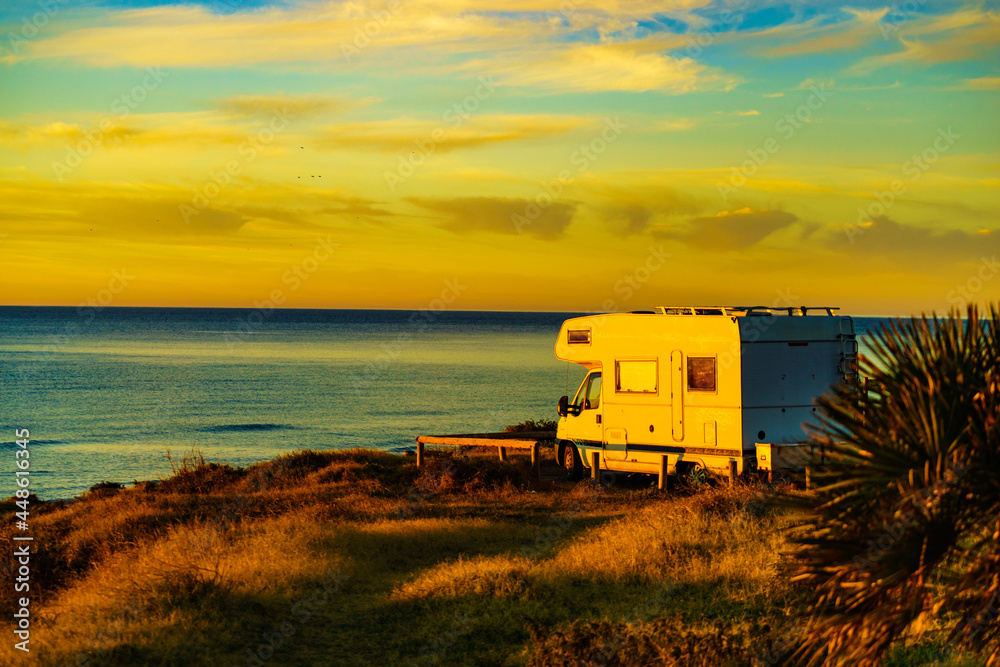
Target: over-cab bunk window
578	336
635	376
701	373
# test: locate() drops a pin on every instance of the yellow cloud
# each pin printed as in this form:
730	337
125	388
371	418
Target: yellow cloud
93	132
673	125
501	215
451	133
730	230
887	237
604	67
231	122
79	210
292	106
529	51
982	83
633	210
24	136
188	36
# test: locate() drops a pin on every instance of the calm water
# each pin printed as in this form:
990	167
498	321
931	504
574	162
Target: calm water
105	395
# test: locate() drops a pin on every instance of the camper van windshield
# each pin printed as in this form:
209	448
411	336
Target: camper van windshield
589	395
594	392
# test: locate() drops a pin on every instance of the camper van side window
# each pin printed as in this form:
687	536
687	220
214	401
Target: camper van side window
701	373
635	376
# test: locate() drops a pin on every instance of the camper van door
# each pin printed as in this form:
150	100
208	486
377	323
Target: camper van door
587	428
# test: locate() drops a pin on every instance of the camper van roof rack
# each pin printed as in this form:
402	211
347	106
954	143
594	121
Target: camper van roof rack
743	311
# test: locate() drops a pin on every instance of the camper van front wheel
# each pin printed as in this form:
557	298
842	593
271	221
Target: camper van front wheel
570	459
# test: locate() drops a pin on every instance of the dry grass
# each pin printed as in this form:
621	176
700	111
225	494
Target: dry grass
153	585
359	554
497	576
685	540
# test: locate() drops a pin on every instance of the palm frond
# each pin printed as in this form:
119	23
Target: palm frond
906	519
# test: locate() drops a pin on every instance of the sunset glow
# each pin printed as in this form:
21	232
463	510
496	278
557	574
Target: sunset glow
565	155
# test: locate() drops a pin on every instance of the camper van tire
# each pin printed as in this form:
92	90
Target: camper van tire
570	460
696	474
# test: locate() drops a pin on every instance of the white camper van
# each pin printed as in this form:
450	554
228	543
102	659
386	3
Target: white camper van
702	386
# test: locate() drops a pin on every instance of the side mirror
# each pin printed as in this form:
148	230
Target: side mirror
563	408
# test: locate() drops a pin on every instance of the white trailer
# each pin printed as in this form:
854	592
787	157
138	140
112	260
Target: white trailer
701	386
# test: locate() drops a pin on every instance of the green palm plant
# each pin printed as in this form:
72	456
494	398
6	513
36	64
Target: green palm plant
904	526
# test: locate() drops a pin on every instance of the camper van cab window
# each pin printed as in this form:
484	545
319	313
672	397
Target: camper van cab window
701	373
593	392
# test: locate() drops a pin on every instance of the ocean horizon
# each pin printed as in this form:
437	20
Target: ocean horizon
106	394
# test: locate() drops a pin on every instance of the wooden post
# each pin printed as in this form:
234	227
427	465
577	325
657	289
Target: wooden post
770	475
503	453
663	483
595	467
536	464
732	474
807	478
420	454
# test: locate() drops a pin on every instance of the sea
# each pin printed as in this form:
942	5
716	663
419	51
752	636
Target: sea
122	394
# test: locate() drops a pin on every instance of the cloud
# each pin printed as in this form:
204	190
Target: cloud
748	112
116	215
349	209
604	67
87	131
634	212
448	134
192	36
543	45
810	83
731	230
673	125
233	120
630	218
152	212
292	106
966	35
59	133
500	215
982	83
884	236
819	35
318	32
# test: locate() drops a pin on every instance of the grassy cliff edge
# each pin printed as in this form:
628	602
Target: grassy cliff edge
358	557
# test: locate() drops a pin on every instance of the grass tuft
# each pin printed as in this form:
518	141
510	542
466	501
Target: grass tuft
496	576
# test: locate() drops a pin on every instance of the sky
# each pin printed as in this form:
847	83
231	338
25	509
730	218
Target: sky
560	155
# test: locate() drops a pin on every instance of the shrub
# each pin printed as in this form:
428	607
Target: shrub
460	474
204	478
905	527
532	426
106	488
